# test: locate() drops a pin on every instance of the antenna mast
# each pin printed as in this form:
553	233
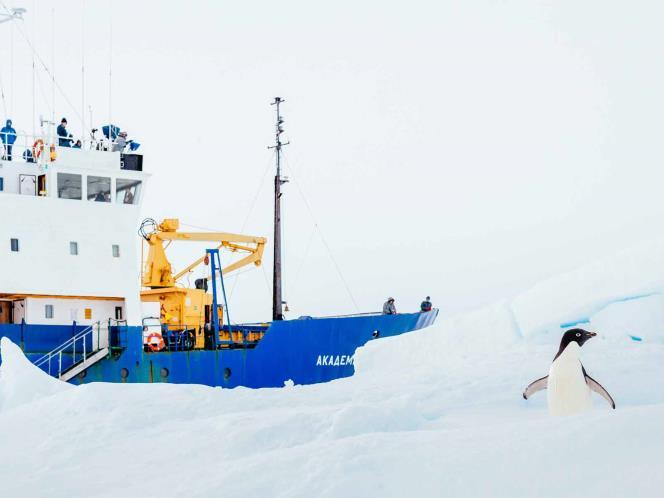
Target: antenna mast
277	309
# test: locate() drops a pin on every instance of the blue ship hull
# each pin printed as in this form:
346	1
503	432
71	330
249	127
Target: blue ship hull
304	351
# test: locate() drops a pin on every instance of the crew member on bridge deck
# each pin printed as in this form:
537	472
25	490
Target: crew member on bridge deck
8	136
120	142
64	137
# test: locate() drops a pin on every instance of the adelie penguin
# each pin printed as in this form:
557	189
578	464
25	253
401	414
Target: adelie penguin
568	383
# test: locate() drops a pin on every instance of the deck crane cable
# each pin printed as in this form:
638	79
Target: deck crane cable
261	184
44	66
322	238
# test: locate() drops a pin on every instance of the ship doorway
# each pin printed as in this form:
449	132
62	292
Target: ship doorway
41	185
5	312
18	311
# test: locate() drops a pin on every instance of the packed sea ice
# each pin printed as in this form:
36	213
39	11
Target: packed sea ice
436	413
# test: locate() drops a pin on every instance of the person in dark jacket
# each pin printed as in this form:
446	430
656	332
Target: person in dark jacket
64	137
426	305
8	136
27	156
389	308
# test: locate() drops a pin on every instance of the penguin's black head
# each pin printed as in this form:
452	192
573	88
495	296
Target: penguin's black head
575	335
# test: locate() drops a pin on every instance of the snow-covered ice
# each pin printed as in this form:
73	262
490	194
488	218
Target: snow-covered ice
434	413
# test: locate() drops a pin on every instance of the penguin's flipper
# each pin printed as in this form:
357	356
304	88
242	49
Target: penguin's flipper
597	387
533	387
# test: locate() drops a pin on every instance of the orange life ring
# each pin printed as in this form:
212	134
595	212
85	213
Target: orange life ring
159	345
37	148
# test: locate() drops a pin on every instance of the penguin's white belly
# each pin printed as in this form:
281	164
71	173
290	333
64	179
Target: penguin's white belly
567	391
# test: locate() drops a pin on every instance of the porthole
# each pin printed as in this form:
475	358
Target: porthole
124	373
375	334
164	373
227	373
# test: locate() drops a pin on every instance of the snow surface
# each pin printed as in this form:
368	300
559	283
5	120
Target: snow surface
434	413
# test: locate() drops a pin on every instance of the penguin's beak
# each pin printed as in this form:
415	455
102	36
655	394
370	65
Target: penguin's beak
591	334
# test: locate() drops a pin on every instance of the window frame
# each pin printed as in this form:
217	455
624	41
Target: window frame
73	248
109	192
128	185
49	311
61	188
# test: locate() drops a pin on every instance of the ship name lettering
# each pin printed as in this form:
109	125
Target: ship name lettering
334	360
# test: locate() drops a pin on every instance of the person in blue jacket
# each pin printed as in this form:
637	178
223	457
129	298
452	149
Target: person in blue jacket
64	137
8	136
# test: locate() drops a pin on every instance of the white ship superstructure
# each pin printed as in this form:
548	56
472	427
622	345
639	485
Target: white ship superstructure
68	244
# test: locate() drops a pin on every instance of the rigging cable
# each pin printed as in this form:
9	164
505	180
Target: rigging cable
261	184
83	130
34	104
323	239
246	220
11	68
46	69
110	69
304	257
2	93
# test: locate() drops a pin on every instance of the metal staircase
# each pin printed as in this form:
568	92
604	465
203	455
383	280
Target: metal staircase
73	356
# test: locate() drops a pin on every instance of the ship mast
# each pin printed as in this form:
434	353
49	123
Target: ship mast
277	310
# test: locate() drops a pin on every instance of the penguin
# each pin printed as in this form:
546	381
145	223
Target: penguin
568	384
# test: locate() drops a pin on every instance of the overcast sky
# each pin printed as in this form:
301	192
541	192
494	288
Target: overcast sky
465	150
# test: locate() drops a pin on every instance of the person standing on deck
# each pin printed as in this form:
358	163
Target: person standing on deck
8	136
426	305
64	137
389	308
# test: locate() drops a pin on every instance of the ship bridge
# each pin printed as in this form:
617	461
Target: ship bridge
68	244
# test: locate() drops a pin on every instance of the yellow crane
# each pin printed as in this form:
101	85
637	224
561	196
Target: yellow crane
183	308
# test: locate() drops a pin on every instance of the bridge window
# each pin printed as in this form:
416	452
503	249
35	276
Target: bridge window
69	186
99	189
14	244
48	311
116	251
127	191
73	248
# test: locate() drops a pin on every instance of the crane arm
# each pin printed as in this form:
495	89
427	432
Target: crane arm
158	271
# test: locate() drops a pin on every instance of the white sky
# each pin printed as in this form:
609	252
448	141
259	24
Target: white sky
464	150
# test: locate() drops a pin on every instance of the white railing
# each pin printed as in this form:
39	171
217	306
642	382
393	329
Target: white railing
98	339
42	142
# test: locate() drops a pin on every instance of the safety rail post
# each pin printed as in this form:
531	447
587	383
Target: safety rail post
213	268
215	316
59	363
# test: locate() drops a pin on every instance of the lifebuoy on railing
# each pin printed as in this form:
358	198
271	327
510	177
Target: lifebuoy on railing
37	148
157	345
